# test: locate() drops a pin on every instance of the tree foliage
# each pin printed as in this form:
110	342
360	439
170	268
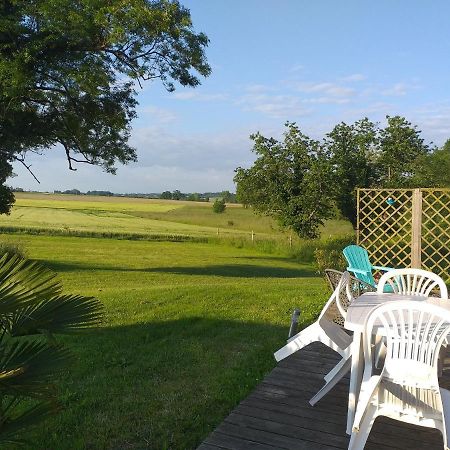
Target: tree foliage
351	149
400	148
290	181
299	180
433	169
69	69
32	310
219	205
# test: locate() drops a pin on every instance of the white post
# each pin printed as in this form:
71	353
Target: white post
253	236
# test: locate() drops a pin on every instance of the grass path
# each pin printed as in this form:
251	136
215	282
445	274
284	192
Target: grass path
190	329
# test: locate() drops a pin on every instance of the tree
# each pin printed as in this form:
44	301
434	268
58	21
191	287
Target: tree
194	197
433	169
400	148
33	309
6	193
166	195
219	205
177	195
228	196
69	72
299	180
352	149
290	181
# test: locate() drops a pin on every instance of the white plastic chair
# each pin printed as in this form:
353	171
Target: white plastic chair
413	282
328	330
407	388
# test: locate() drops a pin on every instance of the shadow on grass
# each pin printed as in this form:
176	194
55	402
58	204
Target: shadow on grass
240	271
223	270
169	377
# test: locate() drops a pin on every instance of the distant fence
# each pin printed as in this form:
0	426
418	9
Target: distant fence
406	227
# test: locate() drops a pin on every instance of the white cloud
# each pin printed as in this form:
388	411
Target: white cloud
159	115
399	89
329	100
354	77
257	88
275	106
297	68
198	96
167	159
327	88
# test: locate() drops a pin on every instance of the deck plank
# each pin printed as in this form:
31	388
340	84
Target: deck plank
277	415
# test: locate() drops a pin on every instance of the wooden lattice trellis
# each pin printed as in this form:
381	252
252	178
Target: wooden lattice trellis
406	227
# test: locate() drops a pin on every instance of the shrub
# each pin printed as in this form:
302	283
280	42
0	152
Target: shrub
230	223
12	249
219	206
330	256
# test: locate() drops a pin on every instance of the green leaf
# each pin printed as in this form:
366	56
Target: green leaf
12	425
61	314
28	368
23	281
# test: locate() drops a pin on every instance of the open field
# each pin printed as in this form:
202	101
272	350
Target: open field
142	217
190	329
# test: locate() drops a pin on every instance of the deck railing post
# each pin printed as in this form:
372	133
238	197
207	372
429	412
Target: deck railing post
294	323
416	231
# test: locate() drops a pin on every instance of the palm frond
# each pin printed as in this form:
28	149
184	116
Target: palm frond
28	368
61	314
11	425
23	281
31	302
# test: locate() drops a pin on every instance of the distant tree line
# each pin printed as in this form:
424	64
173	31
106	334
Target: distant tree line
226	196
301	181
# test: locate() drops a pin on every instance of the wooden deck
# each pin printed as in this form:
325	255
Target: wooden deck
277	415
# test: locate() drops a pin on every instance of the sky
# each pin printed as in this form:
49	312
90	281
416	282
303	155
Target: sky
316	63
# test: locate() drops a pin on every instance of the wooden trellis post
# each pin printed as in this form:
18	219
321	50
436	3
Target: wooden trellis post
416	230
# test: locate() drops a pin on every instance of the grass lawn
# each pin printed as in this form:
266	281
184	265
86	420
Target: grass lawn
190	329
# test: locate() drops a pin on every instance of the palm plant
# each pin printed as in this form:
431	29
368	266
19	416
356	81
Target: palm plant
32	310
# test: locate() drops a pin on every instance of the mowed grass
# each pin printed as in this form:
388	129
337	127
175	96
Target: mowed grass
145	217
189	330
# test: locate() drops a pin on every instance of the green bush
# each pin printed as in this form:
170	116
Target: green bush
219	206
12	249
329	255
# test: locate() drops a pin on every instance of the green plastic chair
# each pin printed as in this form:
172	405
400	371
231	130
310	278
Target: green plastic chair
358	263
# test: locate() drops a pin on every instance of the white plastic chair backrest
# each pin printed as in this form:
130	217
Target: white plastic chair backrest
336	297
413	282
414	334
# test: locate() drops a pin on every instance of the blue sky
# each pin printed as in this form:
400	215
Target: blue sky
316	63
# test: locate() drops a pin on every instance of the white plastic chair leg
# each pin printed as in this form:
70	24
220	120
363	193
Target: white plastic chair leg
343	370
335	369
359	438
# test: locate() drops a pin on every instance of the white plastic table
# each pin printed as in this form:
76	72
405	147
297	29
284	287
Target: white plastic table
357	314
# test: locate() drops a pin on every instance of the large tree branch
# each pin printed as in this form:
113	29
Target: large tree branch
21	160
